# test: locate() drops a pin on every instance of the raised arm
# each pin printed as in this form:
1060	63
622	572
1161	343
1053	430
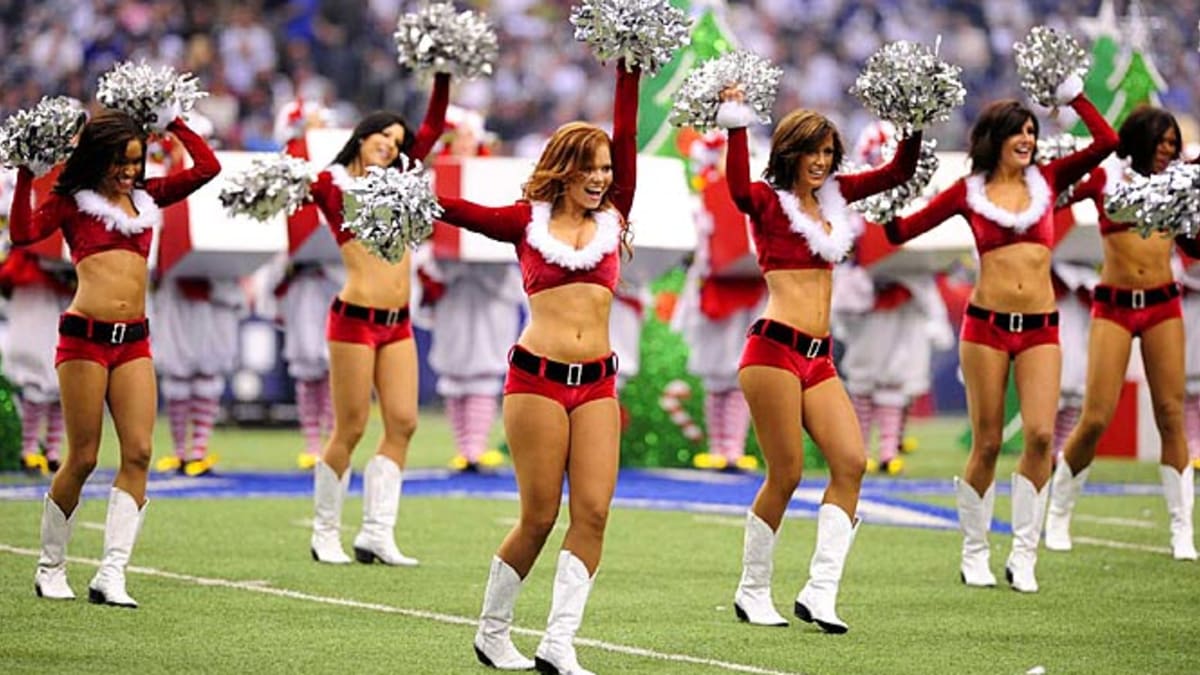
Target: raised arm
502	223
1091	187
178	186
26	226
435	118
624	138
947	204
1066	170
328	198
902	166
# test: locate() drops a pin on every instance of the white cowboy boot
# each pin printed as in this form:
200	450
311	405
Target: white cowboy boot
1064	491
493	641
1180	492
752	600
817	602
556	653
329	492
50	579
1028	510
975	521
121	528
376	540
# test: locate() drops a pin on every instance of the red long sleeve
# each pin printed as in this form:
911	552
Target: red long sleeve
947	204
1091	187
902	166
435	118
1065	171
1189	245
26	226
624	147
177	186
749	200
502	223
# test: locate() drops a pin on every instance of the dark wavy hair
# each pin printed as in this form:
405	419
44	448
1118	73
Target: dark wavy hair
995	124
374	123
102	142
800	132
1141	133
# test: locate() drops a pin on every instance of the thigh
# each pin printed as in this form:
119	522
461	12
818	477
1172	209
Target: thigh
595	451
1163	357
985	377
775	400
132	400
1109	345
83	385
351	372
1037	371
396	383
539	435
830	420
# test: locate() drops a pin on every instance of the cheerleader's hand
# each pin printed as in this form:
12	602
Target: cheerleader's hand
733	113
1069	90
164	115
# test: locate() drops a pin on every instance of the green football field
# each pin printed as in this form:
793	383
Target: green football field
227	585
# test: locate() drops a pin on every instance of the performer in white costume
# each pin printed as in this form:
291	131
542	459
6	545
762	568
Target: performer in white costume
1073	284
1187	272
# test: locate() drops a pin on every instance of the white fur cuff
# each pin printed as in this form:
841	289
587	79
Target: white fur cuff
1068	90
735	115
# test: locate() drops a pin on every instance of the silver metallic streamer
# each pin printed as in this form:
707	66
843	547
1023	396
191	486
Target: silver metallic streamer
42	136
389	210
645	33
144	92
271	184
907	84
884	206
1045	59
1167	202
698	98
439	39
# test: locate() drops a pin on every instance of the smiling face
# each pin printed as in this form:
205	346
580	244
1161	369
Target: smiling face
123	172
815	166
381	148
1016	152
1167	149
589	185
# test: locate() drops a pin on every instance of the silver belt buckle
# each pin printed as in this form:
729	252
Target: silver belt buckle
814	348
1016	323
393	317
118	333
1138	298
574	374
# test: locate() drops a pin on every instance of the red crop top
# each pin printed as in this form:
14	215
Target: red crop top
1095	187
91	224
784	236
995	227
547	262
327	189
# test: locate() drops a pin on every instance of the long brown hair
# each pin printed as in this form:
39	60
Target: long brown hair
1141	133
995	124
800	132
102	142
569	152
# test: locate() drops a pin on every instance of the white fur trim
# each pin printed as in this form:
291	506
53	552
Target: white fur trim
1068	89
834	244
1116	172
340	177
735	115
1039	201
605	241
114	217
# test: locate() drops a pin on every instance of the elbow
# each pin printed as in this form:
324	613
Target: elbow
894	234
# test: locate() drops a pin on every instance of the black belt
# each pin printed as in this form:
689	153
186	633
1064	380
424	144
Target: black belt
1135	298
383	317
804	343
570	374
103	332
1013	323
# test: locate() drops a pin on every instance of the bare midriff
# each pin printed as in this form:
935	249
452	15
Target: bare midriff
800	298
112	286
1015	279
1133	262
569	323
372	281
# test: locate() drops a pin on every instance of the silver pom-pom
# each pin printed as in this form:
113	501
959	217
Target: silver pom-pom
272	184
1167	202
389	210
884	206
645	33
699	97
439	39
153	97
42	136
1045	59
907	84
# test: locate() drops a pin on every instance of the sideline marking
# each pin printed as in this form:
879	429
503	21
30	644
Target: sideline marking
260	586
1124	522
1108	543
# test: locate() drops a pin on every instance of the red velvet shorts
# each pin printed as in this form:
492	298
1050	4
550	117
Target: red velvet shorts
1013	342
763	351
107	353
570	396
374	329
1137	320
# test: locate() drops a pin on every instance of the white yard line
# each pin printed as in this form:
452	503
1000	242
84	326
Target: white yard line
1126	546
1124	522
259	586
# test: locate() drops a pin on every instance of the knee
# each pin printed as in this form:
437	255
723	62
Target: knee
349	428
1168	417
1092	423
136	456
1038	438
849	469
399	425
81	463
591	518
986	444
785	478
539	522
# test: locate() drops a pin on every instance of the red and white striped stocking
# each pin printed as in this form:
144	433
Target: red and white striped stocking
479	412
32	417
1066	419
714	418
890	419
55	430
178	411
204	417
1191	424
309	411
864	409
737	424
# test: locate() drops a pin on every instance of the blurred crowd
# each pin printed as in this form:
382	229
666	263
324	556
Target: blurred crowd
257	55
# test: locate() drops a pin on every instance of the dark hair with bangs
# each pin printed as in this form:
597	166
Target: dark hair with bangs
1141	133
374	123
102	142
800	132
995	124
